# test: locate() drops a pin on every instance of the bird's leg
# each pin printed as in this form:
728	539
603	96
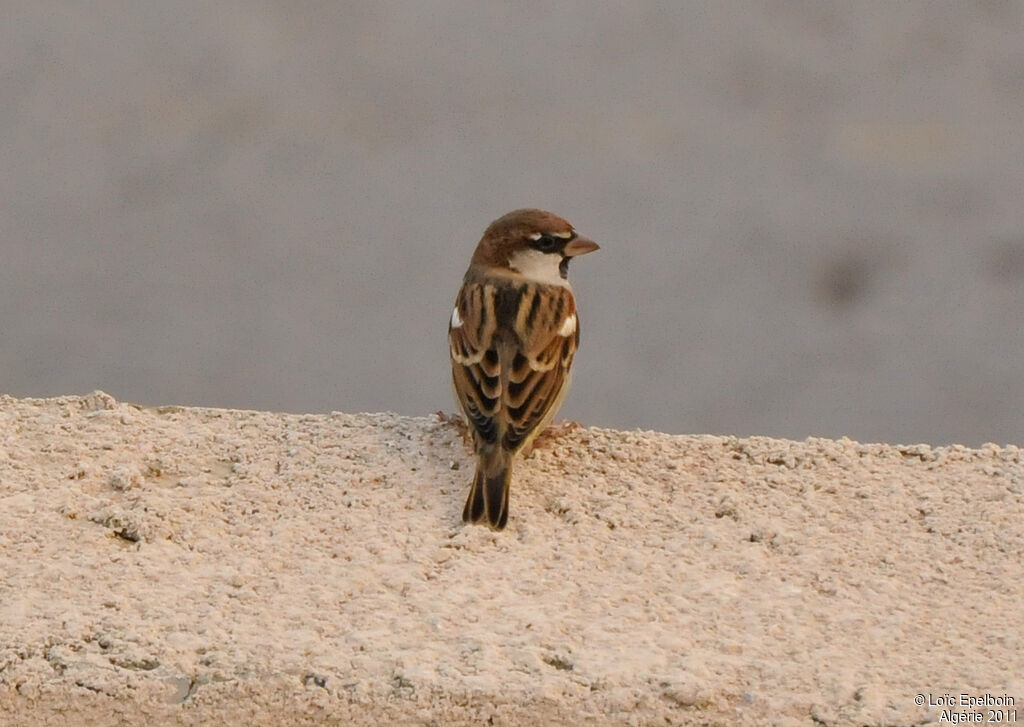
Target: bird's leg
550	435
459	423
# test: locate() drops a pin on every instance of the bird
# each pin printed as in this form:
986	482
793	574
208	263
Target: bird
512	336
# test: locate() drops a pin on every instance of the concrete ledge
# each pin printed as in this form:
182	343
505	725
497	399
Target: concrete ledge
199	566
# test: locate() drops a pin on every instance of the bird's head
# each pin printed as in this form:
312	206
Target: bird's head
533	243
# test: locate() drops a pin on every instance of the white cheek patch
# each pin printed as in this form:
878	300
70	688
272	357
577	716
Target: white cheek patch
568	326
456	321
540	267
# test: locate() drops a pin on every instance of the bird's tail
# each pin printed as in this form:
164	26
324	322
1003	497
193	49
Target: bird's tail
488	496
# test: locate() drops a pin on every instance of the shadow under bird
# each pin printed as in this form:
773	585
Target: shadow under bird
512	337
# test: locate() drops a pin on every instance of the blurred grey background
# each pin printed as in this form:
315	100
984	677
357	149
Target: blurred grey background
811	213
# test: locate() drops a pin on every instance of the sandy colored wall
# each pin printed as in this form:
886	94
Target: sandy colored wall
199	566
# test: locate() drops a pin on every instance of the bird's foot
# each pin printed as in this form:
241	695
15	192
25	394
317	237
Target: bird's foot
551	435
458	422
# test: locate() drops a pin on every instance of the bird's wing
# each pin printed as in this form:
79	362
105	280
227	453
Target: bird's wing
538	376
476	370
511	347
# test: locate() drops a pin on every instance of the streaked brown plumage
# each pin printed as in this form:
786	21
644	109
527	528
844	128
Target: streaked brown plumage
512	336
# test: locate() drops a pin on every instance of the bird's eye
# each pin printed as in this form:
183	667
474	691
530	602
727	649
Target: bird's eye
545	243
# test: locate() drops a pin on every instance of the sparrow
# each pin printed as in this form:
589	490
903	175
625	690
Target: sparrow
512	337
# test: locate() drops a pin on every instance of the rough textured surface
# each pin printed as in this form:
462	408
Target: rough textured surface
203	566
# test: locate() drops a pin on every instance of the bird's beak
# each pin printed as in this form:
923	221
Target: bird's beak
579	246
